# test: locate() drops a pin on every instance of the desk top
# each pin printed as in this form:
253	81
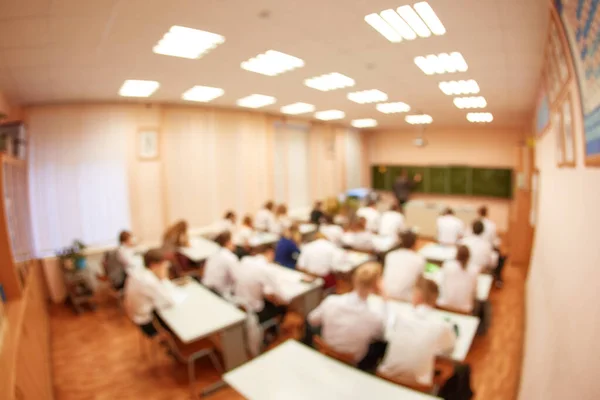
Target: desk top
437	252
263	238
467	325
307	228
352	260
200	249
292	371
199	313
290	282
383	244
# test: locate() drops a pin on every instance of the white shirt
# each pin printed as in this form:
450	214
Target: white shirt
265	221
449	229
252	277
391	224
242	235
414	343
218	271
458	287
319	257
144	292
349	325
481	252
371	215
225	225
333	232
280	224
490	232
362	241
129	259
402	269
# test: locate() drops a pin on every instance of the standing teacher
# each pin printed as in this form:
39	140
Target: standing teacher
404	185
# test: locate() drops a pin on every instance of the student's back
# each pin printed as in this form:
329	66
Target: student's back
391	223
450	229
458	287
332	232
481	252
219	271
251	277
319	257
403	267
371	215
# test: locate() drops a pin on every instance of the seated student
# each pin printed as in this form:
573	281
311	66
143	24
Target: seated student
147	290
252	282
371	215
282	221
332	232
227	224
417	339
175	237
392	222
265	221
218	270
317	213
458	285
287	250
319	258
126	251
480	249
490	233
403	268
358	237
449	228
348	324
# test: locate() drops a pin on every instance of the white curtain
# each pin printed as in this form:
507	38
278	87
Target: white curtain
292	185
77	176
353	159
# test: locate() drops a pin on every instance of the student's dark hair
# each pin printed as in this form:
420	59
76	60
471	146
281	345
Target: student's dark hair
448	211
462	255
223	238
247	221
281	209
124	236
395	207
229	214
483	211
361	223
153	256
318	204
408	239
371	203
429	290
478	227
269	205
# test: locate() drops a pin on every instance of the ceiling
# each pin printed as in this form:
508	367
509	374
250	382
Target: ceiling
56	51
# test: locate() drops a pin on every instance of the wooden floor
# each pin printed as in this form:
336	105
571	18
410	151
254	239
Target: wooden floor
97	356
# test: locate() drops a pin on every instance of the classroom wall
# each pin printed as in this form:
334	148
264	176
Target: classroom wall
477	146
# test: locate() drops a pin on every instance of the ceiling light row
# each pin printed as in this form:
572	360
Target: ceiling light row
457	88
328	82
470	102
184	42
480	117
272	63
406	22
442	63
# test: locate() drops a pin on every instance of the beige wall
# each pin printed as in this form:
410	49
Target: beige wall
478	146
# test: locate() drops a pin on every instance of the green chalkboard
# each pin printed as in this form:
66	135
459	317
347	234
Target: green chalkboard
438	180
459	180
492	182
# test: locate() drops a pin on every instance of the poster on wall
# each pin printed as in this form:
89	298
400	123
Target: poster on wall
559	51
542	115
568	136
581	22
148	144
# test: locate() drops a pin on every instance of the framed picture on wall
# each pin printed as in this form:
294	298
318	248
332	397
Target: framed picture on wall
557	132
567	131
148	144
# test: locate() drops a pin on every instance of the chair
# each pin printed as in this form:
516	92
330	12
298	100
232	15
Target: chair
114	275
324	348
264	326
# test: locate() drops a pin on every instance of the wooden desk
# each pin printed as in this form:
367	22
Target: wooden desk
293	371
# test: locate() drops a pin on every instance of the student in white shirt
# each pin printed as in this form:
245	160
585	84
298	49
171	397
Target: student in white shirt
319	258
417	339
147	290
254	282
489	227
392	222
227	224
282	221
264	220
371	215
481	251
242	236
458	285
449	228
403	268
219	267
348	324
332	232
358	237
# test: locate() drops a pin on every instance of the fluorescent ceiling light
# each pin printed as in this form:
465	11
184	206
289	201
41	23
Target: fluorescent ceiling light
364	123
480	117
407	22
419	119
137	88
442	63
256	101
391	108
328	82
202	93
297	108
272	63
454	88
367	96
330	115
187	42
470	102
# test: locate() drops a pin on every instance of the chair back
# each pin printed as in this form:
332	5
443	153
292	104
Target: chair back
324	348
113	268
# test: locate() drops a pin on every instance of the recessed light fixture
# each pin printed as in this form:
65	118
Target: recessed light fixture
418	119
256	101
297	108
202	93
137	88
482	117
454	88
328	82
272	63
392	108
330	115
364	123
442	63
470	102
367	96
407	22
184	42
